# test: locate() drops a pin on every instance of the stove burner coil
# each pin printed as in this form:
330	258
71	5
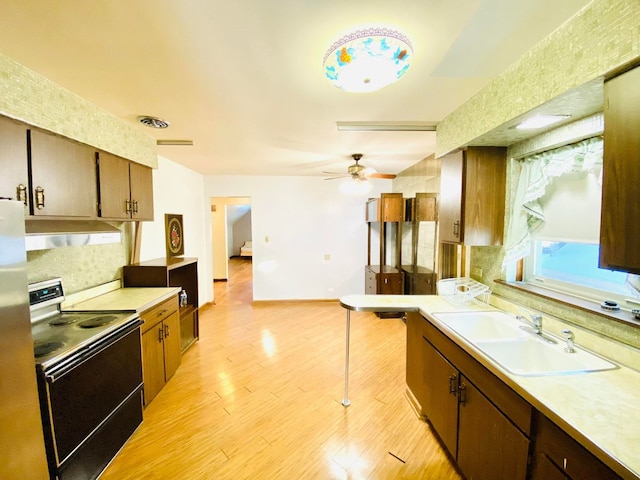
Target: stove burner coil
45	348
97	321
62	320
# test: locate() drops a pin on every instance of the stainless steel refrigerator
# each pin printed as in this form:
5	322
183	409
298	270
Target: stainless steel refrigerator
22	453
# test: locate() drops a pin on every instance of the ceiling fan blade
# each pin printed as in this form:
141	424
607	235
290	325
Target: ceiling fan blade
382	175
336	178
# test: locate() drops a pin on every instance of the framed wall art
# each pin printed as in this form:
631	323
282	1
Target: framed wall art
173	232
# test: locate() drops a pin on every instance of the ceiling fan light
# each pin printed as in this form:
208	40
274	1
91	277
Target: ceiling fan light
355	186
368	60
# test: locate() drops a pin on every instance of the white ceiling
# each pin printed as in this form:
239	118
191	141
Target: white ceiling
243	79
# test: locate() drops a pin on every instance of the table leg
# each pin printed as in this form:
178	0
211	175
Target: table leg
345	401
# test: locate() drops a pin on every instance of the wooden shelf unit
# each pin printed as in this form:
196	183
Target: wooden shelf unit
171	272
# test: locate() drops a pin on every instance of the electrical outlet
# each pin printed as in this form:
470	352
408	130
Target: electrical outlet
477	272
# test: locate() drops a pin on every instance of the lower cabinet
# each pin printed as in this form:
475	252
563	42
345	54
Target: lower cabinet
483	424
557	455
489	445
383	280
160	346
487	428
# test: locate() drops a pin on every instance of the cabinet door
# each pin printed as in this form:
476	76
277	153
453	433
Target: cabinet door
489	445
483	196
172	344
14	180
545	469
451	206
415	369
153	362
113	178
391	284
441	400
64	177
141	181
619	225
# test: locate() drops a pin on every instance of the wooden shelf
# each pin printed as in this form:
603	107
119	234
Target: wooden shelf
171	272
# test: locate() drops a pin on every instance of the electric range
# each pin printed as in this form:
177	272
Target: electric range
58	334
89	375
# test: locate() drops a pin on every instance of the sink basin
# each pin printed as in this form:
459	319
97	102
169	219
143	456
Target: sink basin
531	356
500	337
475	326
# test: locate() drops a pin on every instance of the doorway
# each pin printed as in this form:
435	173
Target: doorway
232	253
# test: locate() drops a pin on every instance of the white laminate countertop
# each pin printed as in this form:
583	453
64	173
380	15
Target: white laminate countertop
599	409
131	299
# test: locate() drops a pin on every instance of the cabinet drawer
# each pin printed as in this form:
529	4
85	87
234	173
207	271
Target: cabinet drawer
158	313
567	454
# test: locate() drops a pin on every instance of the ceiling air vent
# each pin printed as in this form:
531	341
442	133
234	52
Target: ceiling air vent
153	122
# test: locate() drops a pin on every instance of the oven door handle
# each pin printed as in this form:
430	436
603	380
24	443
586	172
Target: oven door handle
76	359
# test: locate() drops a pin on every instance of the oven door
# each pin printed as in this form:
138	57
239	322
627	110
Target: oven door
92	402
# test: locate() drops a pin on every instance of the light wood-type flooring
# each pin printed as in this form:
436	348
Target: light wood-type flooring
238	288
259	397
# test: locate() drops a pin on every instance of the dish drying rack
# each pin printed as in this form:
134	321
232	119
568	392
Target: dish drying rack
460	291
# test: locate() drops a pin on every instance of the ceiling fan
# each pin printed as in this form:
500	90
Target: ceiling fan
359	172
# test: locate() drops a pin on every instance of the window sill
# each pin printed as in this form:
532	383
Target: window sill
622	316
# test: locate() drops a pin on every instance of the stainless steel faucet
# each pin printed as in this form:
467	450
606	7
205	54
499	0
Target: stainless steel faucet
535	327
536	321
568	336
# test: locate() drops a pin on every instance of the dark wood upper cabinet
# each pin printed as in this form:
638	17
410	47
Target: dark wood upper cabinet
14	180
126	188
472	196
620	212
63	177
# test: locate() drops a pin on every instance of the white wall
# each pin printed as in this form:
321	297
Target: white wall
304	218
177	189
241	233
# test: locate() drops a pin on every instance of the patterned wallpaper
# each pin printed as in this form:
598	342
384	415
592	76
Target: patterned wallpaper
600	38
81	267
35	100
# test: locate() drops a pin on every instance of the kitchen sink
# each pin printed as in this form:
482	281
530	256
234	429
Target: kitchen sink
500	337
476	326
531	356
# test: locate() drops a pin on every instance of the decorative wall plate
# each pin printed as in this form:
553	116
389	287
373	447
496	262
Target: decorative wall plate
174	240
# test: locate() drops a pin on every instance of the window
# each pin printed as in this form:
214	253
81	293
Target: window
556	222
573	267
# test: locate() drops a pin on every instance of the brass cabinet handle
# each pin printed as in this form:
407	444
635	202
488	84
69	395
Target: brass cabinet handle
160	335
21	194
135	207
453	384
462	394
456	228
39	198
161	312
127	206
166	331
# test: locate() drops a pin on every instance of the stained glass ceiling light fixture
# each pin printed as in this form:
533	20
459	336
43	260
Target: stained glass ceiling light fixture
368	60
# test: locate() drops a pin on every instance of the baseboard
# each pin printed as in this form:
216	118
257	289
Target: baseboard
266	302
415	405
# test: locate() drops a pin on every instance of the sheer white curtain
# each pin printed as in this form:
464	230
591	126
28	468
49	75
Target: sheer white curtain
537	173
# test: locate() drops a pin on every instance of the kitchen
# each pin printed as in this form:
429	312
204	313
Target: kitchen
267	195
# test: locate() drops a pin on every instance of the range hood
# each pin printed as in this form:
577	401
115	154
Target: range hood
46	234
